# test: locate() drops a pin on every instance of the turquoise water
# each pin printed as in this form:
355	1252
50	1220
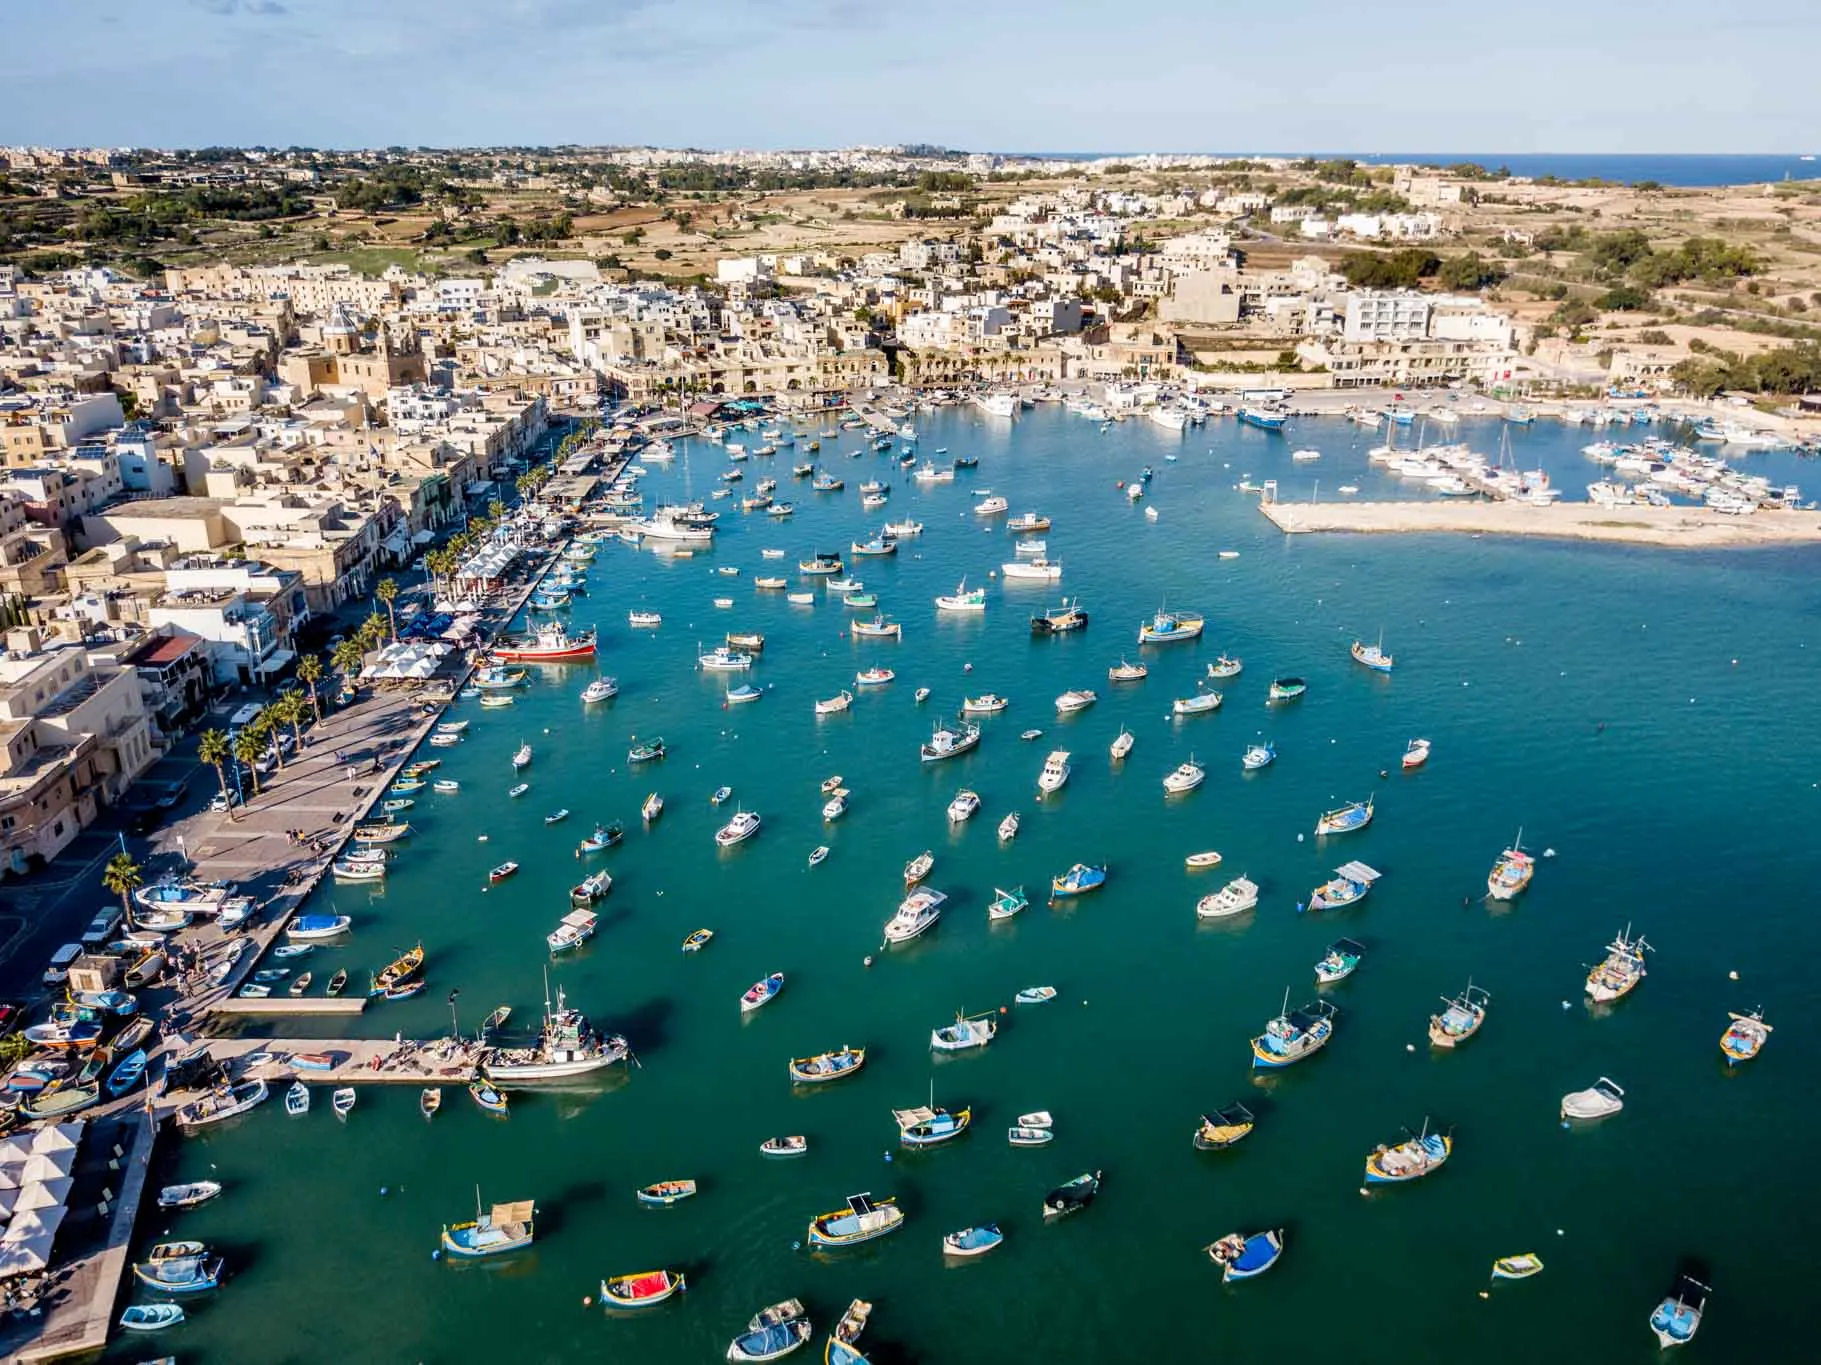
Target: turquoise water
1646	715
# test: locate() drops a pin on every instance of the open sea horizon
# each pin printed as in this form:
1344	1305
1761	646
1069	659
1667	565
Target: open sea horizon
1684	170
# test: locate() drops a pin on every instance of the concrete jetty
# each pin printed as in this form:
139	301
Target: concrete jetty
356	1061
1693	528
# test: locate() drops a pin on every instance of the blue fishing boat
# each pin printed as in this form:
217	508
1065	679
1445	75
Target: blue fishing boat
1167	626
1293	1035
863	1220
1078	880
185	1271
1339	962
776	1332
1242	1256
827	1066
1678	1317
1412	1159
127	1073
1350	883
1264	418
503	1228
1259	756
1345	819
973	1241
1744	1036
492	1100
604	836
1372	656
928	1126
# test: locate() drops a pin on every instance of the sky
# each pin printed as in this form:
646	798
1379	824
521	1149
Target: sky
984	75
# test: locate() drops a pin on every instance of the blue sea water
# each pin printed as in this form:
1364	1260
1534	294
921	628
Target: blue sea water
1647	715
1666	168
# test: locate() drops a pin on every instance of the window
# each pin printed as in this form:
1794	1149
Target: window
57	828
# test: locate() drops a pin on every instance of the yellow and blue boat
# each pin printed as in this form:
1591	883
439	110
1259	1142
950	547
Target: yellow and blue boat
861	1221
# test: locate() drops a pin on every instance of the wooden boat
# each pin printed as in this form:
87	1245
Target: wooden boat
1029	1135
1071	1196
556	817
1519	1267
1006	904
302	984
1065	618
1208	858
697	941
1225	667
1512	872
827	1066
930	1126
70	1099
817	854
1078	880
795	1145
315	1061
1372	656
647	752
406	966
873	677
1678	1317
503	1228
830	785
1345	819
966	1033
771	1340
342	1101
496	1020
840	1349
1121	745
180	1268
919	867
572	931
1242	1256
1340	961
1123	672
1744	1037
221	1104
1416	754
1460	1018
503	871
173	1198
151	1317
1286	689
429	1100
761	993
489	1099
1621	971
1294	1035
380	834
974	1241
1351	882
1075	699
604	837
591	888
1420	1154
1224	1127
863	1220
644	1290
337	984
1168	626
666	1192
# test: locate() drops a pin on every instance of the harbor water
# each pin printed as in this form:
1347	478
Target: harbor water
1645	716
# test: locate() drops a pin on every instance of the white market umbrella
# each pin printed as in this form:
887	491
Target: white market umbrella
62	1138
27	1257
32	1223
46	1166
15	1150
43	1194
6	1203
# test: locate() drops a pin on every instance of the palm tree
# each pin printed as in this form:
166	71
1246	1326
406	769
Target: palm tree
122	876
387	592
309	673
247	748
372	632
266	723
496	509
289	710
215	751
347	660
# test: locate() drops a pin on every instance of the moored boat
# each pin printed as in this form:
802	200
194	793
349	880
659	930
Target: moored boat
916	915
645	1289
1075	699
761	993
827	1066
1293	1035
965	1033
1121	745
863	1220
795	1145
950	741
1356	815
1006	904
1168	626
1678	1317
1416	754
1185	777
1372	656
1065	618
1286	689
666	1192
503	1228
1244	1255
1620	972
1127	672
1072	1196
1512	872
974	1241
1078	880
1599	1100
919	867
1460	1018
1340	961
1744	1037
1420	1154
1259	756
1350	882
772	1339
1055	773
929	1125
175	1197
1519	1267
1224	1127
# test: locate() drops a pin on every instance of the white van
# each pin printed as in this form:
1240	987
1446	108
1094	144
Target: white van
245	716
58	971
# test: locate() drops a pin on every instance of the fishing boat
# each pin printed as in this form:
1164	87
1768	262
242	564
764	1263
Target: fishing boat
772	1340
302	984
761	993
644	620
835	704
827	1066
962	600
380	834
1604	1097
599	690
493	701
503	1228
975	1241
1744	1037
697	940
1186	777
1037	570
986	704
721	659
429	1100
567	1046
1345	819
1202	702
1286	689
963	807
964	1034
58	1102
795	1145
337	984
347	870
770	584
74	1034
929	1125
1244	1255
1006	904
342	1101
572	931
1259	756
876	629
644	1290
446	786
1460	1018
1028	523
496	678
1678	1317
1350	882
860	601
551	644
556	817
223	1103
651	808
1071	1196
1035	995
917	913
173	1198
390	807
647	752
742	827
1065	618
1293	1035
1621	971
950	742
1420	1154
1121	745
491	1100
151	1317
1416	754
1197	861
919	867
401	969
1224	1128
822	565
1340	961
1078	880
1372	656
1168	626
873	677
1519	1267
1075	699
1512	872
667	1192
521	757
901	530
1123	672
863	1220
1225	667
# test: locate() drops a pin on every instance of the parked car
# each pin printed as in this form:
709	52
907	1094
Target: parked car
102	927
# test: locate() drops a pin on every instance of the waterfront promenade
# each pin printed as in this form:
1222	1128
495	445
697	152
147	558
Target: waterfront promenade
1693	528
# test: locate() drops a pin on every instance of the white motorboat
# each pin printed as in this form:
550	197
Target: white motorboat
1121	745
992	507
836	805
742	827
1597	1101
1075	699
986	704
917	914
1235	898
835	704
1008	828
963	807
1186	778
599	690
1055	773
961	600
1039	570
1199	704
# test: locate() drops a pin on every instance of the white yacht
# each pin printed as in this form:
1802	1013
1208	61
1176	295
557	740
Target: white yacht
917	913
1040	569
1169	418
1187	777
599	690
997	404
1235	898
962	808
742	827
1055	773
992	507
678	524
